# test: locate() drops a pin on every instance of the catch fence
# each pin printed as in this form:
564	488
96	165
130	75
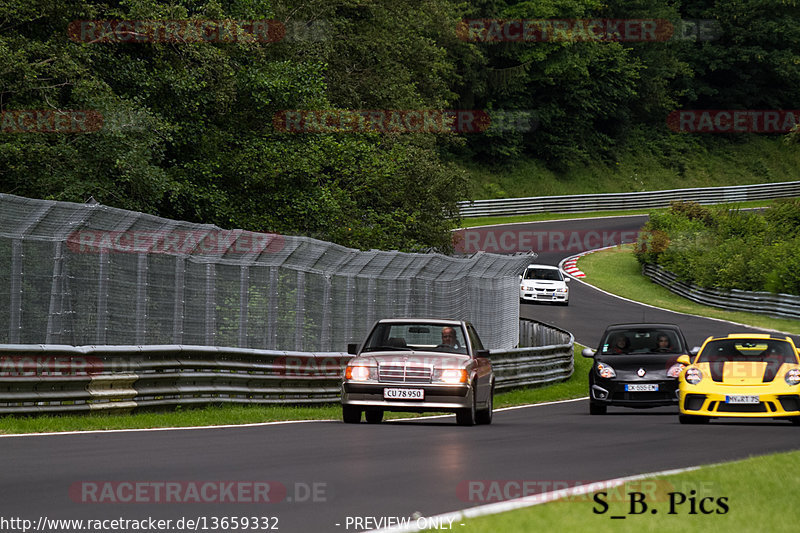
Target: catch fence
88	274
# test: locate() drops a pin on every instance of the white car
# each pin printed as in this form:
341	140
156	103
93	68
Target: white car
543	283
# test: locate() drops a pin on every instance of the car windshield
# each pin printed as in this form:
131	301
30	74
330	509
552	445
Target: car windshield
547	274
637	341
417	336
755	350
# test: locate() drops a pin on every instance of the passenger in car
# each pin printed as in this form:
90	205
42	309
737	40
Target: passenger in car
620	344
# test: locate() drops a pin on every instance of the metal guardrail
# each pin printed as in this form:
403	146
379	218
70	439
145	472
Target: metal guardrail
42	378
581	203
768	303
545	356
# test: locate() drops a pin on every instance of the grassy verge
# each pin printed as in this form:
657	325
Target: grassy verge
616	271
575	387
759	160
761	503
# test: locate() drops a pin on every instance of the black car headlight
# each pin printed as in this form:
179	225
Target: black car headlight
605	371
675	370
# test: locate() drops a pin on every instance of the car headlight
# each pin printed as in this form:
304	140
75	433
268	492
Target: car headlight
357	373
605	371
675	370
565	289
452	375
793	376
693	376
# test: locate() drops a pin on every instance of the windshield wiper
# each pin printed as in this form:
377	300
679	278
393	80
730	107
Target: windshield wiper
383	348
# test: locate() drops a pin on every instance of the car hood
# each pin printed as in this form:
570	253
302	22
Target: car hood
414	357
543	283
743	372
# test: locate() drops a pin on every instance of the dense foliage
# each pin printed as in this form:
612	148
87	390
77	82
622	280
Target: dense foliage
717	248
188	127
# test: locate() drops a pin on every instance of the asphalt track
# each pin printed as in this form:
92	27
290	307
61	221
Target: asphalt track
330	477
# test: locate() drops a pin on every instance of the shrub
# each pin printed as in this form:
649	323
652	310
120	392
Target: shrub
724	249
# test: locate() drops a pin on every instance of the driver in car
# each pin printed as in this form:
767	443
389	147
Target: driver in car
663	344
449	340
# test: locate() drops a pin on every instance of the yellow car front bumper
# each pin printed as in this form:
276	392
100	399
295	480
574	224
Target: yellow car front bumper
747	402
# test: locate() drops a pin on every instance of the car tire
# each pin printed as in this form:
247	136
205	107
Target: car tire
597	408
466	417
351	415
485	416
373	417
796	420
693	419
522	301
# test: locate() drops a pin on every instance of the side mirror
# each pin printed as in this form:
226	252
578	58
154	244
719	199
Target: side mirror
566	280
520	277
684	360
695	350
482	353
352	348
587	352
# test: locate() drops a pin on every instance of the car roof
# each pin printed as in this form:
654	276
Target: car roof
643	325
542	266
754	336
436	321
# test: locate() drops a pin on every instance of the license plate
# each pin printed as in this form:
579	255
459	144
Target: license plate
641	387
741	399
404	394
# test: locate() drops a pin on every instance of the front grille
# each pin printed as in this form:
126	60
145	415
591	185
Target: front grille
741	407
404	373
643	396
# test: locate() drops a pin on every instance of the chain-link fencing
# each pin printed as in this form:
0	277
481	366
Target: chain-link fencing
87	274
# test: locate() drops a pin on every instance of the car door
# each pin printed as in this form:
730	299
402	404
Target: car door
483	365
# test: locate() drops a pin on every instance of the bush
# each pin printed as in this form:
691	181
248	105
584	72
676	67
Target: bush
784	276
726	250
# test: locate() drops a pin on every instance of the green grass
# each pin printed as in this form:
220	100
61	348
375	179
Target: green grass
203	416
616	271
576	386
759	160
761	494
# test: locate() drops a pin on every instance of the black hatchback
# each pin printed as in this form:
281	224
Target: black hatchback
636	365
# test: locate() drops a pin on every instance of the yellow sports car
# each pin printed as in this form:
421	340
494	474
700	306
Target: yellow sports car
751	376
